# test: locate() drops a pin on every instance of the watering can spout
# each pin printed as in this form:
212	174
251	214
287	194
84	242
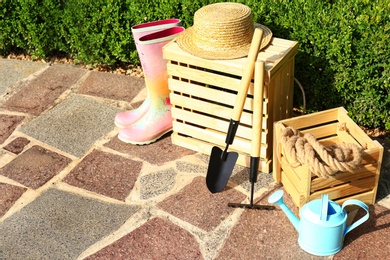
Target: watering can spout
277	198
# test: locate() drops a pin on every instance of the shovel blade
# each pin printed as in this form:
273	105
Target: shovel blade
219	170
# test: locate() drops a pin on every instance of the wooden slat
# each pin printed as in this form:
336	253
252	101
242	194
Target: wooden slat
206	107
274	59
212	136
341	178
211	94
277	152
353	129
288	89
308	120
321	131
299	183
204	77
209	122
366	197
282	42
348	189
290	188
346	137
372	156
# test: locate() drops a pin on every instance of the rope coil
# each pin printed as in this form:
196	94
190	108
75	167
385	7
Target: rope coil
323	161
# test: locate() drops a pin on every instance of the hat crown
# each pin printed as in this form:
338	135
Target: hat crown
223	25
222	31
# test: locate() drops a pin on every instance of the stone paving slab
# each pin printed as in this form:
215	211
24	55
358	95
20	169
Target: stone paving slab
266	234
16	146
59	225
35	167
107	174
197	206
112	86
370	241
158	183
156	239
74	125
8	124
8	195
37	95
156	153
12	71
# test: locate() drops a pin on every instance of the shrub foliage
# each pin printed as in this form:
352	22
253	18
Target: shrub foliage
344	45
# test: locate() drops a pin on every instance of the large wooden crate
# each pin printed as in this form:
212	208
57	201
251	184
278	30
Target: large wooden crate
203	92
329	127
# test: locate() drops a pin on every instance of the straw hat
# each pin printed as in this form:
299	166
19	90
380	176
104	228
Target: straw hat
222	31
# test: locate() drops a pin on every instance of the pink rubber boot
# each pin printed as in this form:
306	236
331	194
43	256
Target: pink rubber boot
127	118
157	120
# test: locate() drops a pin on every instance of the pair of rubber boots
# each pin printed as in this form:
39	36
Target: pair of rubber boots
153	118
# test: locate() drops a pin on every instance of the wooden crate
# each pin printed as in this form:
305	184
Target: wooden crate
202	94
329	127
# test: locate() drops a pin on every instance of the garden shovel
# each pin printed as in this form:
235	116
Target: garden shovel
257	119
221	163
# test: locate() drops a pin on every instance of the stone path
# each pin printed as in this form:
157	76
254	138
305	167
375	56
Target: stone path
69	189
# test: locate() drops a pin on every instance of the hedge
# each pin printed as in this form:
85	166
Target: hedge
344	45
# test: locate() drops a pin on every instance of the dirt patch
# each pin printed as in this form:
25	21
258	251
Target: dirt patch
120	68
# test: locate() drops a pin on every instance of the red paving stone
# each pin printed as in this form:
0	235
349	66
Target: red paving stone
8	195
113	86
8	125
371	239
17	145
156	239
107	174
38	94
35	167
157	153
264	234
197	205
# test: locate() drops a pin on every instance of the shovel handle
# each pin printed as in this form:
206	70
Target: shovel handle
257	117
248	74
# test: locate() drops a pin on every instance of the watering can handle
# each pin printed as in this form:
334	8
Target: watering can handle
324	207
362	219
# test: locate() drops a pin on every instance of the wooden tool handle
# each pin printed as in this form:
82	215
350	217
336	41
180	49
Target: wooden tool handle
257	109
247	75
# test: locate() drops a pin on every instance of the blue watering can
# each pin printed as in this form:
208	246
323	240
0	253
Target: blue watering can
322	227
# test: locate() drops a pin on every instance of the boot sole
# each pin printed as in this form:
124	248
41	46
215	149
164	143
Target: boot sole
144	142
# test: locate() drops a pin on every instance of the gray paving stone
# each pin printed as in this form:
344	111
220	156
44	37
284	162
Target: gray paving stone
73	125
12	71
59	225
190	167
155	184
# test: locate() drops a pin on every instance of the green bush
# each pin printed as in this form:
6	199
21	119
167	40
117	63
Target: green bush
344	45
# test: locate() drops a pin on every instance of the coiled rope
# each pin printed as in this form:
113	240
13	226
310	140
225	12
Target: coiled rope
323	161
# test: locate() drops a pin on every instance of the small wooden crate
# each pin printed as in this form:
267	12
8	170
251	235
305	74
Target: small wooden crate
203	92
329	127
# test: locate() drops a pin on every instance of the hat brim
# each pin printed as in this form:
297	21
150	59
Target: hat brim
185	42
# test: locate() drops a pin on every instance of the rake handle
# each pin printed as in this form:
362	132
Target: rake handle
257	109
